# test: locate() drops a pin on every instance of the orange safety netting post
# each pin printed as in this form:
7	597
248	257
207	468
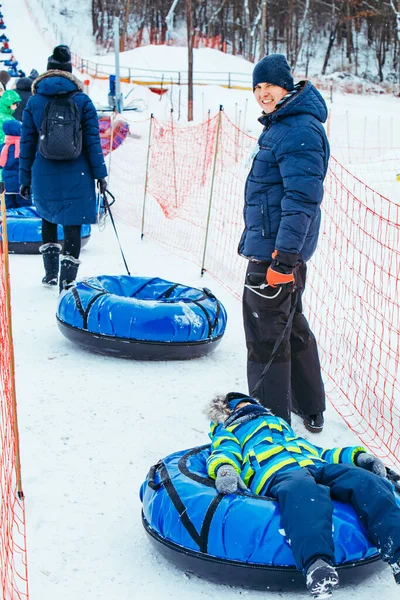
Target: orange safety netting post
193	182
13	566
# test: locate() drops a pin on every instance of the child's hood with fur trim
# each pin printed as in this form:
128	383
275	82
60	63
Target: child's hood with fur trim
218	410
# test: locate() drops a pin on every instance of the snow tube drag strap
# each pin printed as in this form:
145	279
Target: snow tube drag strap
174	497
107	209
218	308
211	325
201	539
85	312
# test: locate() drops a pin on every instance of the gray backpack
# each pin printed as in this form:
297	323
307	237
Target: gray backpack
60	136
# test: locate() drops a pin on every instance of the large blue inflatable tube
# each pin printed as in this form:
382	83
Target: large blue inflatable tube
236	539
141	317
24	230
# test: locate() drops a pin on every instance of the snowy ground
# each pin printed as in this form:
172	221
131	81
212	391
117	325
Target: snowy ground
91	426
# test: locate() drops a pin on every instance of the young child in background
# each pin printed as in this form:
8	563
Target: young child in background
252	449
9	163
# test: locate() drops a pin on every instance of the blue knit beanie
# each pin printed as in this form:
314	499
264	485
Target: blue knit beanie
234	398
274	69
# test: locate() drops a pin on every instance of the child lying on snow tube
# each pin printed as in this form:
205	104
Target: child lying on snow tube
252	449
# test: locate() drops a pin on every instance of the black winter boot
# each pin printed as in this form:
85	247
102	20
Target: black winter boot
51	262
321	579
68	271
396	571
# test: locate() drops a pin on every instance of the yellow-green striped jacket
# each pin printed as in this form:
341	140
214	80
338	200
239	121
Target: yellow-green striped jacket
264	445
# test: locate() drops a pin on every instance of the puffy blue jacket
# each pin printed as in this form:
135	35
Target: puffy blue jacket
63	191
9	173
284	188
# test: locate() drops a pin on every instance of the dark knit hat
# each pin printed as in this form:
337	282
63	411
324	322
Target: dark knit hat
33	74
234	398
4	78
60	59
274	69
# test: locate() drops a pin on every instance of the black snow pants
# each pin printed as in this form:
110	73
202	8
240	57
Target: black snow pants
72	237
306	509
293	380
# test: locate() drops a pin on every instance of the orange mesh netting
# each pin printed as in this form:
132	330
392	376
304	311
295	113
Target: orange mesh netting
353	294
13	568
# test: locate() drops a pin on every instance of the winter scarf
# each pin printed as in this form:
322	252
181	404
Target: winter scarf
9	141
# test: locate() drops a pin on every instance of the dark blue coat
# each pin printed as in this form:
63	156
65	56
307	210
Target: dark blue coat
24	89
284	188
63	191
9	173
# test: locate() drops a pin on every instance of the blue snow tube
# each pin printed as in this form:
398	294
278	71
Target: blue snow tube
141	317
236	539
24	230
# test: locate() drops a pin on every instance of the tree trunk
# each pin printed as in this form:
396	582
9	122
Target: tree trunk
302	29
349	33
263	28
332	36
124	27
190	57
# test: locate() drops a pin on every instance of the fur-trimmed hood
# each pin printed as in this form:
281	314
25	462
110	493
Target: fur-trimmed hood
56	82
217	410
221	407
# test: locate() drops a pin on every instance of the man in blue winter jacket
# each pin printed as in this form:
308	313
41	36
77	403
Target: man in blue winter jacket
284	190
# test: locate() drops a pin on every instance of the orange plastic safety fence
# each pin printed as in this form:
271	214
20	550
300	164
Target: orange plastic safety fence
354	300
13	568
192	201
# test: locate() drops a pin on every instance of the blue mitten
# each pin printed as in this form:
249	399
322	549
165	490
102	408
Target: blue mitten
371	463
228	481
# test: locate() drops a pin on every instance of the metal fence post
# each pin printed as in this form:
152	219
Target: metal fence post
212	188
146	181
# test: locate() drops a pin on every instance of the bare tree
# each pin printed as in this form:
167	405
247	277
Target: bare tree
253	28
263	28
396	10
189	26
302	30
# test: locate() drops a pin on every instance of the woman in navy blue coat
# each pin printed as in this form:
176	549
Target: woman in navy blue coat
63	190
284	190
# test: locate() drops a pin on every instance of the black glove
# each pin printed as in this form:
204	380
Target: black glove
25	191
102	184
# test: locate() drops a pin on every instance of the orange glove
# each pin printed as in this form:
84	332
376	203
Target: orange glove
279	272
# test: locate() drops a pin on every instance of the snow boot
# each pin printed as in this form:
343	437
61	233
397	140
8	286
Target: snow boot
396	571
321	579
68	271
51	262
313	423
